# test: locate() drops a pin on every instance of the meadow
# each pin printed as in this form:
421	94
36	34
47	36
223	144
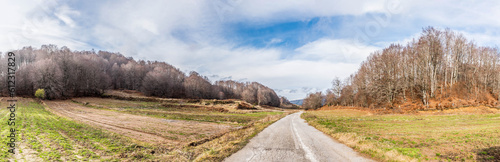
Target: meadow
203	110
100	130
472	134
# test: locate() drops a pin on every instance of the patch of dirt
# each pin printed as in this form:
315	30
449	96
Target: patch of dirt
101	102
125	93
141	128
489	154
27	154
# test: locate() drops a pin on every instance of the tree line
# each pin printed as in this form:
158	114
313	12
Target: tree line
438	65
63	73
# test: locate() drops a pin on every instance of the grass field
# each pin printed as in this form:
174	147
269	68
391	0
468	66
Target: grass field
48	137
47	134
451	137
176	111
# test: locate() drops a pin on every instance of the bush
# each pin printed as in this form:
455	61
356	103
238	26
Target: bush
40	93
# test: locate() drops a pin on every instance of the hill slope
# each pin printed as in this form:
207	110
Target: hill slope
297	102
440	69
63	73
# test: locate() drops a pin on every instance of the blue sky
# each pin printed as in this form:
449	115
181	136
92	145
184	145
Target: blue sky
292	46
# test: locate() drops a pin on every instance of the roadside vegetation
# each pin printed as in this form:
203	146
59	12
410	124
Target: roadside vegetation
466	134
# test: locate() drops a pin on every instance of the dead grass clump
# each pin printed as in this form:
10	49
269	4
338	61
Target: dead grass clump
219	102
245	106
216	109
181	106
193	101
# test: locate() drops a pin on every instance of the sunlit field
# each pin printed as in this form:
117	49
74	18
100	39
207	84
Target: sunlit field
53	131
451	137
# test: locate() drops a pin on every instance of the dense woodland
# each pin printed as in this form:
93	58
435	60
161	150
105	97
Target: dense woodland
63	73
441	68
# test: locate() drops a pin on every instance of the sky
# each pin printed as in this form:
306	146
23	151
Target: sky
292	46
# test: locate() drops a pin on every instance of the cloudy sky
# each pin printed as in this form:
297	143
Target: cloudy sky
292	46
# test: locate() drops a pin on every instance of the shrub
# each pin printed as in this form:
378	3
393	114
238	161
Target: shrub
40	93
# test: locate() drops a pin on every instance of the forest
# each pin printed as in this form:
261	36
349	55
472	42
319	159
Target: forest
439	69
63	73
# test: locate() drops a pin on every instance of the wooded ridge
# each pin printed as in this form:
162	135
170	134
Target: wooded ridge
63	73
439	69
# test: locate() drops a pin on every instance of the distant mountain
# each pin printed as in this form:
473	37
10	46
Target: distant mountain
297	102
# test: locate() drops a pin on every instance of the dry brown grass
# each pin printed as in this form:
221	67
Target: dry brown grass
170	133
227	105
224	146
150	133
462	111
465	134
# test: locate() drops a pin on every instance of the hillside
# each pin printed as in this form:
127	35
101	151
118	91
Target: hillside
64	73
439	69
297	102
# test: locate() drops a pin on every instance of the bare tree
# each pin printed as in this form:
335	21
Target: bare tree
437	65
313	101
198	87
48	76
64	73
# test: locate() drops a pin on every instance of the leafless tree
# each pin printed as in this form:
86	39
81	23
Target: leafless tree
313	101
64	73
436	65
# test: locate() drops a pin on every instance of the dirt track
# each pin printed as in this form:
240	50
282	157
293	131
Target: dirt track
142	128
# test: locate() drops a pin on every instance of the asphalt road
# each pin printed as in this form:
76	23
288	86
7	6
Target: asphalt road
292	139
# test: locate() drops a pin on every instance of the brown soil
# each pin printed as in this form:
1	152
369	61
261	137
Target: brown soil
146	129
125	93
27	154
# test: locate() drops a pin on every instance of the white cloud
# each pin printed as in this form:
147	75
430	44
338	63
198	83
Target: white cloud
274	41
490	39
27	23
453	13
190	34
331	50
64	13
279	10
265	65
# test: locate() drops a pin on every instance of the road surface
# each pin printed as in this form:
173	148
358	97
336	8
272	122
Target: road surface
292	139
